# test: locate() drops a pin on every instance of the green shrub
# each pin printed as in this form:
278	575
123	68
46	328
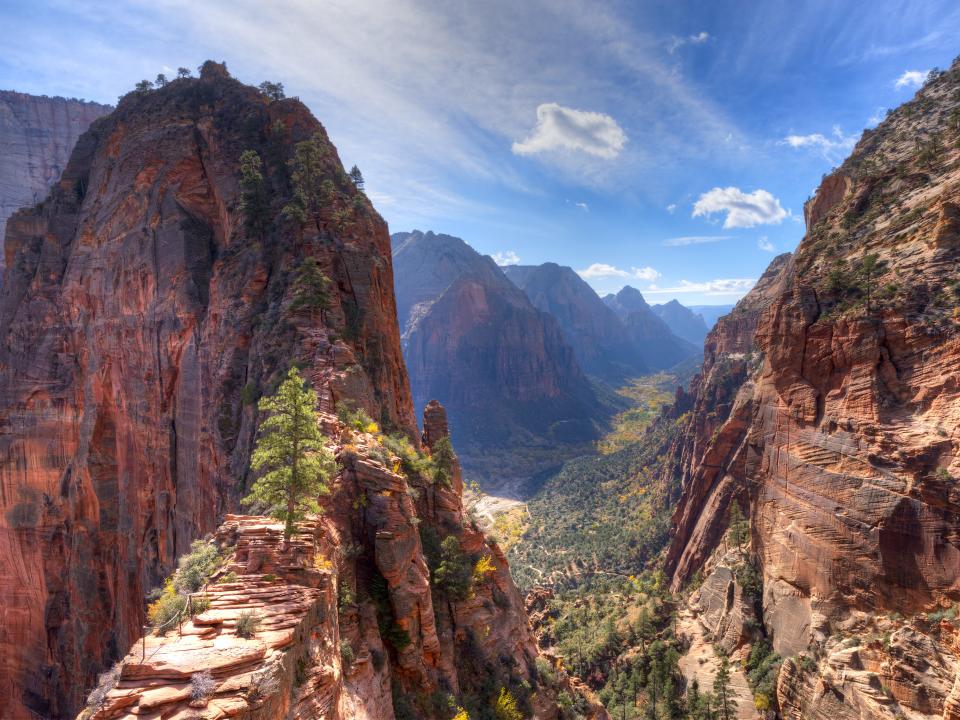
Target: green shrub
413	462
248	622
165	610
346	653
195	568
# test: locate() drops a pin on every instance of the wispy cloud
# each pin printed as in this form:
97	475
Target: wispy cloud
743	210
830	147
678	42
694	240
720	286
506	257
563	128
672	208
763	243
910	78
603	270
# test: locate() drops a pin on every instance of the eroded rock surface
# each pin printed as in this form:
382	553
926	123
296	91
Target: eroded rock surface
141	319
830	401
37	135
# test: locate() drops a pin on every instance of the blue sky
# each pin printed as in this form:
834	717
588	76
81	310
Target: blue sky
666	145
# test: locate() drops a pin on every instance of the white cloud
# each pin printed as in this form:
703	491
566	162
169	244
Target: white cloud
645	273
672	208
720	286
603	270
583	206
743	210
677	42
560	127
838	143
910	78
694	240
506	257
764	244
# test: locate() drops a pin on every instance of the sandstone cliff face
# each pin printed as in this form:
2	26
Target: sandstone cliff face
351	626
37	135
139	318
474	341
829	402
592	329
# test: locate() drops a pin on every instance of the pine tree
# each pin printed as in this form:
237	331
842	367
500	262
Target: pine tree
310	191
272	90
253	194
722	693
311	288
357	177
291	454
443	458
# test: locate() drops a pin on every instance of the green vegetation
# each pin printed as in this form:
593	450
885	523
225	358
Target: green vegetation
347	655
443	461
311	288
248	622
310	191
291	454
176	600
599	515
272	90
648	395
254	203
357	419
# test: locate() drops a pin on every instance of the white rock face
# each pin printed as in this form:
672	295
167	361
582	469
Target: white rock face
37	135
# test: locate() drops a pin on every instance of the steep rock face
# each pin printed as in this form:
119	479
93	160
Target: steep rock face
841	430
351	626
682	321
658	345
37	135
592	329
139	319
473	341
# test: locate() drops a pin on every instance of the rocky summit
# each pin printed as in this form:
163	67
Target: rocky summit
148	303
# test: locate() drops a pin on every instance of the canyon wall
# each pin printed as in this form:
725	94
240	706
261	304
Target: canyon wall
147	304
829	404
37	135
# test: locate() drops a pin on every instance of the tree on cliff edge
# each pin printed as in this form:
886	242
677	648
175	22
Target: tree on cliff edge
291	454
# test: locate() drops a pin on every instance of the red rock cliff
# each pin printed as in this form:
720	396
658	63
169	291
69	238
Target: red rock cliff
138	320
829	403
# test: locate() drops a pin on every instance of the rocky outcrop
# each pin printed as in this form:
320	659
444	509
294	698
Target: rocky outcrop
592	329
660	348
829	403
141	318
37	135
350	623
682	321
472	340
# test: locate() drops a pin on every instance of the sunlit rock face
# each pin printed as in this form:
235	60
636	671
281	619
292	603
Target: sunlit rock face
142	317
37	135
140	320
830	403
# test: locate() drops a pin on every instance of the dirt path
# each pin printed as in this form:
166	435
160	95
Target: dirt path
701	662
